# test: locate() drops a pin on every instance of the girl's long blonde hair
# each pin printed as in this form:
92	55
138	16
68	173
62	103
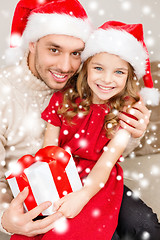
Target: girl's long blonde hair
79	88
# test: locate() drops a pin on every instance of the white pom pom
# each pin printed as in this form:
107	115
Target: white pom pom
150	96
13	55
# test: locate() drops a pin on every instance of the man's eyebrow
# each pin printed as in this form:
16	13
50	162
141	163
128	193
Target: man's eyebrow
79	49
52	44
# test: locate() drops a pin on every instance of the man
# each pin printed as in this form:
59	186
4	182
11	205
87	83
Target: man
52	35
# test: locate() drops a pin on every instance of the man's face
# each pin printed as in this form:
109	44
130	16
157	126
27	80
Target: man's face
55	58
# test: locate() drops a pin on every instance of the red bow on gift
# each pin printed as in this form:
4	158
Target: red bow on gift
57	159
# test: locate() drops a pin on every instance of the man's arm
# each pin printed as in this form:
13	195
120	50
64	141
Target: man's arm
137	127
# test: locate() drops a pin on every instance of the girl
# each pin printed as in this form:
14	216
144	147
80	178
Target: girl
83	118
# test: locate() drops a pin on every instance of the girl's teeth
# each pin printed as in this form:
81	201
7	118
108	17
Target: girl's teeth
105	88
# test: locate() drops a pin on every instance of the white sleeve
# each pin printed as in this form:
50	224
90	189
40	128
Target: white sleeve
132	144
5	194
1	228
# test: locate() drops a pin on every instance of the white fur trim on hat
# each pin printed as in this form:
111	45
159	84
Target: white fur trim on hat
40	25
120	43
13	55
150	96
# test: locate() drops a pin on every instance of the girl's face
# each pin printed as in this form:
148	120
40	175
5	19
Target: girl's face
107	76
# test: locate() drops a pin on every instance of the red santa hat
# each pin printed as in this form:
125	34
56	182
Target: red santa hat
126	41
34	19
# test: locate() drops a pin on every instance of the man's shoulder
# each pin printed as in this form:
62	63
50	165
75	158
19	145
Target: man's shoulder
6	73
7	78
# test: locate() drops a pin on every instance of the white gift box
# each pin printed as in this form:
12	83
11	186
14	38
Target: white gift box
43	185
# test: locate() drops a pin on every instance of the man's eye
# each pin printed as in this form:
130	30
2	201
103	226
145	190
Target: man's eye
54	50
76	53
98	68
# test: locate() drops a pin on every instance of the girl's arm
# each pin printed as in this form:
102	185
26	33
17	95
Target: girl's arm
73	203
51	135
101	171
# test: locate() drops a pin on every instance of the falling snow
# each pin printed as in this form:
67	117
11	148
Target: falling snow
61	225
146	12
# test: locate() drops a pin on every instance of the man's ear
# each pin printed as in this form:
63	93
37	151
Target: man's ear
32	47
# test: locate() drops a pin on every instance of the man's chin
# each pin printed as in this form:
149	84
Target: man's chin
57	86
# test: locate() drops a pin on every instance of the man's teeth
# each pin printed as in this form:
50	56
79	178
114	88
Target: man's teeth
58	76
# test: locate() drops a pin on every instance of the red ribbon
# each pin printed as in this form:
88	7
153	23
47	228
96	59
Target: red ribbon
57	159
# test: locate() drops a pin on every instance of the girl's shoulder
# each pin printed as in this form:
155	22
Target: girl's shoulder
57	96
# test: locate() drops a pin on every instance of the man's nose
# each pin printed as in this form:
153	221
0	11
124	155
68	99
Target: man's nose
65	63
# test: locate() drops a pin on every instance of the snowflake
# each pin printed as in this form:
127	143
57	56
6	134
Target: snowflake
61	225
41	1
150	41
93	5
144	183
3	190
3	163
112	150
65	193
129	193
136	194
101	12
76	135
12	148
121	159
96	213
57	104
88	170
65	132
146	10
83	143
109	164
145	235
6	89
126	5
101	185
80	115
119	177
155	170
16	40
109	125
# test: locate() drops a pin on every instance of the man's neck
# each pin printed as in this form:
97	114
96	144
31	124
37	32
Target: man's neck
30	62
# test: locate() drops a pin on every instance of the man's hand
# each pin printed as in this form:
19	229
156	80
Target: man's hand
14	220
135	127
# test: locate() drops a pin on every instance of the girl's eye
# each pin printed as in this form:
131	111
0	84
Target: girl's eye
119	72
98	68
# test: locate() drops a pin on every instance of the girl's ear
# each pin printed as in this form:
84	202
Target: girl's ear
32	47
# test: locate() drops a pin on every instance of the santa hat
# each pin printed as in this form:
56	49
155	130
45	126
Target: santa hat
34	19
126	41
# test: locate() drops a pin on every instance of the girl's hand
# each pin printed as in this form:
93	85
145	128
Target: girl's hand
71	204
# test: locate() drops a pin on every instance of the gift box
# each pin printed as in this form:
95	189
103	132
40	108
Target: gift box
49	175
